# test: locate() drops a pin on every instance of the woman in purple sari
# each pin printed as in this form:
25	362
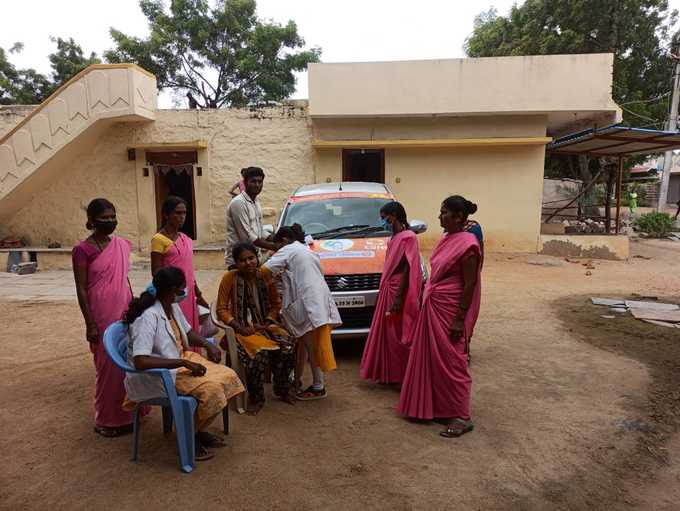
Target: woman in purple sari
100	267
171	247
437	383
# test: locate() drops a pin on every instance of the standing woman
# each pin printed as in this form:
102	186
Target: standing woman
385	355
100	267
170	247
437	383
309	311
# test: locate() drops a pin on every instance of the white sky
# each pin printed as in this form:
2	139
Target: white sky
346	30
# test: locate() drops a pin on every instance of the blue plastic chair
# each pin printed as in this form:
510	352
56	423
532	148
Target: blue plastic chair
177	408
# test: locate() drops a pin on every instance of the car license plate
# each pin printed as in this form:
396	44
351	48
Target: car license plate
350	302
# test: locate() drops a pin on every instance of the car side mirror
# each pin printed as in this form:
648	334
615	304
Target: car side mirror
418	226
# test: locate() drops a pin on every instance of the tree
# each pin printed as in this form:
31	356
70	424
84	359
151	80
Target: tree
223	55
68	60
20	86
28	86
638	32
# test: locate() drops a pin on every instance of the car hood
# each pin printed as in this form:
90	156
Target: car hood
351	256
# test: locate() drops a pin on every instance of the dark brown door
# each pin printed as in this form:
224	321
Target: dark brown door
173	175
366	165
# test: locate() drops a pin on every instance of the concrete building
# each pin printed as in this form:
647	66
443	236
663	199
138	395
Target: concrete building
476	127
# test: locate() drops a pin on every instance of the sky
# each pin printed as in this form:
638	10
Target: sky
345	30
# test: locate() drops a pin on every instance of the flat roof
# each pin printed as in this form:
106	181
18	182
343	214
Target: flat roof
616	140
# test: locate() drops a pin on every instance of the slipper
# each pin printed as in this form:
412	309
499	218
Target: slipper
310	394
202	454
461	427
209	440
113	432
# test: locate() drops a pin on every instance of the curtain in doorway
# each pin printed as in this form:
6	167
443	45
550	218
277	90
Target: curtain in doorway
183	168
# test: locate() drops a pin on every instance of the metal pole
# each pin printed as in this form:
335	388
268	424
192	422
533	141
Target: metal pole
672	126
619	180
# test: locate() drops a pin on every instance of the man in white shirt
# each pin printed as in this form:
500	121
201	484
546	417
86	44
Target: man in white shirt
244	216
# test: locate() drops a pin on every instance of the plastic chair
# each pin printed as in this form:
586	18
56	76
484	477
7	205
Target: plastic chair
232	344
177	408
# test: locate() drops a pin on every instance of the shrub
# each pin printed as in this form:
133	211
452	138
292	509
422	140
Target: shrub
657	225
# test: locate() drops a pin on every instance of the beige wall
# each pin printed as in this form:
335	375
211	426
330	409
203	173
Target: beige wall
570	89
432	128
506	184
11	115
277	139
57	211
481	85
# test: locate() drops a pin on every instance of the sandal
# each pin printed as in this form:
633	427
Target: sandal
113	432
202	454
457	428
310	394
209	440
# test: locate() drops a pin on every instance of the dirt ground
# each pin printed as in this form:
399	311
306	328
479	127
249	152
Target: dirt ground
572	411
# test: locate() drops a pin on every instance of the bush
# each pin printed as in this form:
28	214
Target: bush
657	225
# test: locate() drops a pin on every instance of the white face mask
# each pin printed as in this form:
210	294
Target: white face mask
182	297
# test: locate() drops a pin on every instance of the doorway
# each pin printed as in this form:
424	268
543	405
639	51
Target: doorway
174	175
366	165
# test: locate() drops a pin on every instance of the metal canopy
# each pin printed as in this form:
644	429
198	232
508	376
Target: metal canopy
617	141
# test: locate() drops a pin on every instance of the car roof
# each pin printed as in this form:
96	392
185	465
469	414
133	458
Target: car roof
345	187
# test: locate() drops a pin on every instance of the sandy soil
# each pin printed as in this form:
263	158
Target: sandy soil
572	411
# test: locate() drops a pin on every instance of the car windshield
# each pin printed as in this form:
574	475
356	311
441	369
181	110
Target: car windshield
358	217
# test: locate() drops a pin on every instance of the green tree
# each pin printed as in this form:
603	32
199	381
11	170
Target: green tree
638	32
28	86
68	60
222	55
20	86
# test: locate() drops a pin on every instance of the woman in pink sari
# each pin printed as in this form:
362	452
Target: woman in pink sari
385	355
170	247
100	267
437	383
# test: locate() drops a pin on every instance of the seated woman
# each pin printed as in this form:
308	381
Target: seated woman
160	337
249	303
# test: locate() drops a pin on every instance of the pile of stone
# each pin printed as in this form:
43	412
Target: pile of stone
587	226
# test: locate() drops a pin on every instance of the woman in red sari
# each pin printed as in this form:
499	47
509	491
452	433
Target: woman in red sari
437	383
100	267
171	247
385	355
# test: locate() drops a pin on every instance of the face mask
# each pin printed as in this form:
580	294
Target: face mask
386	225
181	297
105	227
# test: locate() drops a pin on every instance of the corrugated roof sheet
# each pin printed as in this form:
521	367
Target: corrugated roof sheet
616	140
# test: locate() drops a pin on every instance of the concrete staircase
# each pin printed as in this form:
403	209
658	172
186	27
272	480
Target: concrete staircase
67	122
